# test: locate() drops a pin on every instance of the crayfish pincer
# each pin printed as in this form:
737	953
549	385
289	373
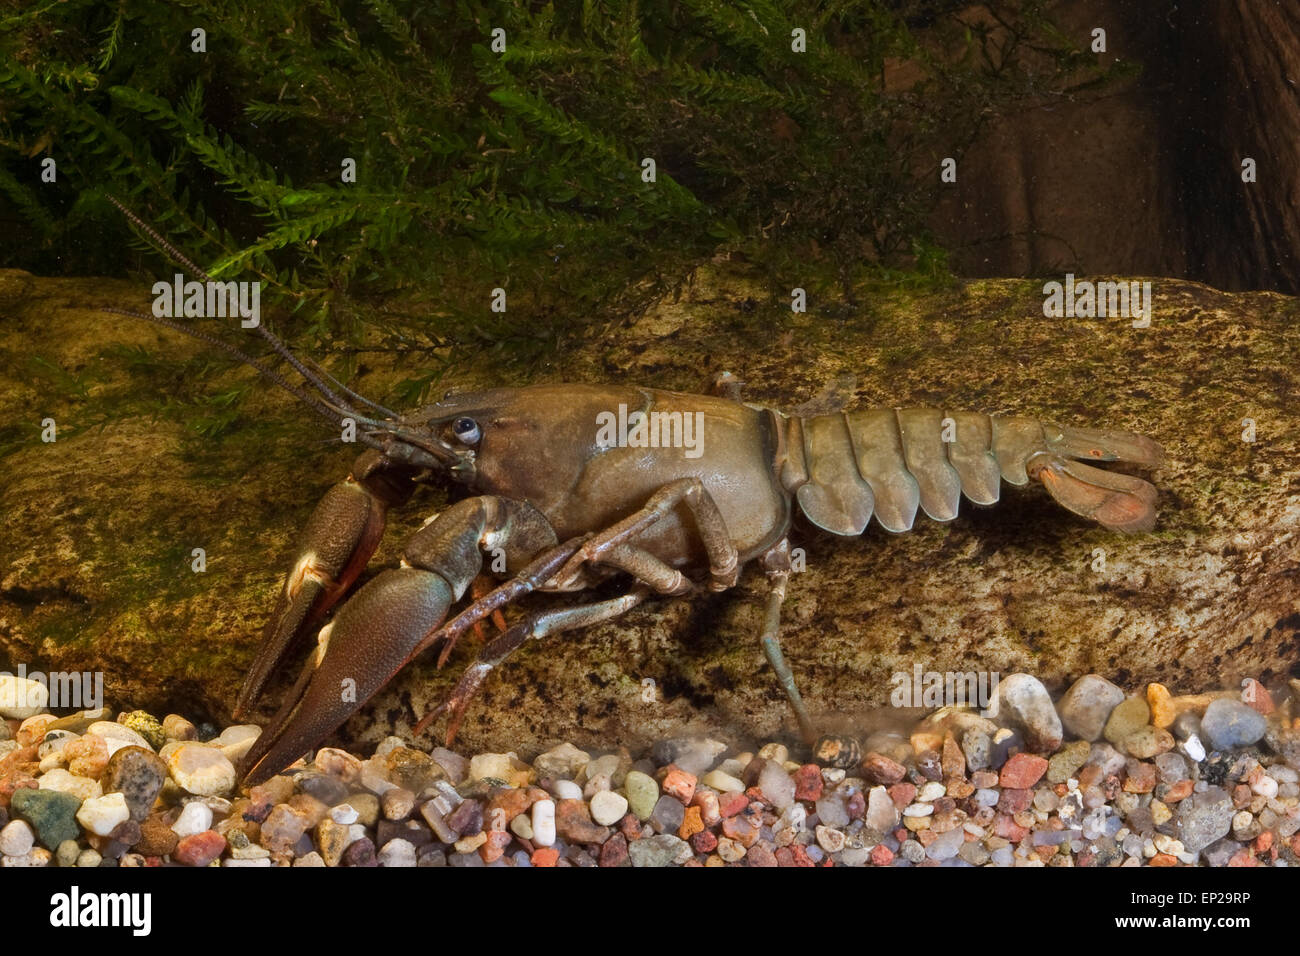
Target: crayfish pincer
575	484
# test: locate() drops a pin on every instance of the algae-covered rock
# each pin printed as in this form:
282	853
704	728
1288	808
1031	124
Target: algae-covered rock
102	524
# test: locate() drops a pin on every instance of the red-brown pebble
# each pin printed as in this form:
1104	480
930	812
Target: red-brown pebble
360	853
740	830
707	801
1022	771
704	842
760	854
199	849
1257	697
495	847
808	782
902	794
545	856
678	783
881	855
614	851
1007	828
630	827
877	768
573	822
729	804
1141	778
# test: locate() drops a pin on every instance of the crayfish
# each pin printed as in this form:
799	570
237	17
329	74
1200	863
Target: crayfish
562	503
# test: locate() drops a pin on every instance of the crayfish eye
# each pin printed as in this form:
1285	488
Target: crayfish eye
466	430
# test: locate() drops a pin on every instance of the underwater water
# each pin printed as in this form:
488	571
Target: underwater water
563	484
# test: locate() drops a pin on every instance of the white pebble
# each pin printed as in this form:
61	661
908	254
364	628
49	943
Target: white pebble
723	782
567	790
83	788
608	807
200	770
1193	747
1266	787
919	810
930	792
21	698
544	822
195	818
344	813
117	736
100	815
262	861
397	853
16	839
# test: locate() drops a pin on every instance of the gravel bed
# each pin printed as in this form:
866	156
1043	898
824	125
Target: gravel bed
1095	778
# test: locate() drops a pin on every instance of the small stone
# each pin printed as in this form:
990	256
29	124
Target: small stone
397	853
21	697
176	727
67	853
87	756
235	742
1228	724
1130	715
492	766
1021	701
1204	818
146	725
667	815
199	849
880	769
83	788
976	747
17	838
722	782
53	743
614	852
367	807
156	837
1140	777
467	818
100	815
946	845
331	840
1066	762
1087	705
328	790
1022	771
573	822
453	764
543	823
566	790
201	770
881	815
643	793
117	735
360	853
679	784
1255	696
776	785
662	850
139	775
829	839
608	807
195	818
397	804
808	782
564	761
1147	742
694	755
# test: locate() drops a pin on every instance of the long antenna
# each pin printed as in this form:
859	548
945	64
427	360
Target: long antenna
180	259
